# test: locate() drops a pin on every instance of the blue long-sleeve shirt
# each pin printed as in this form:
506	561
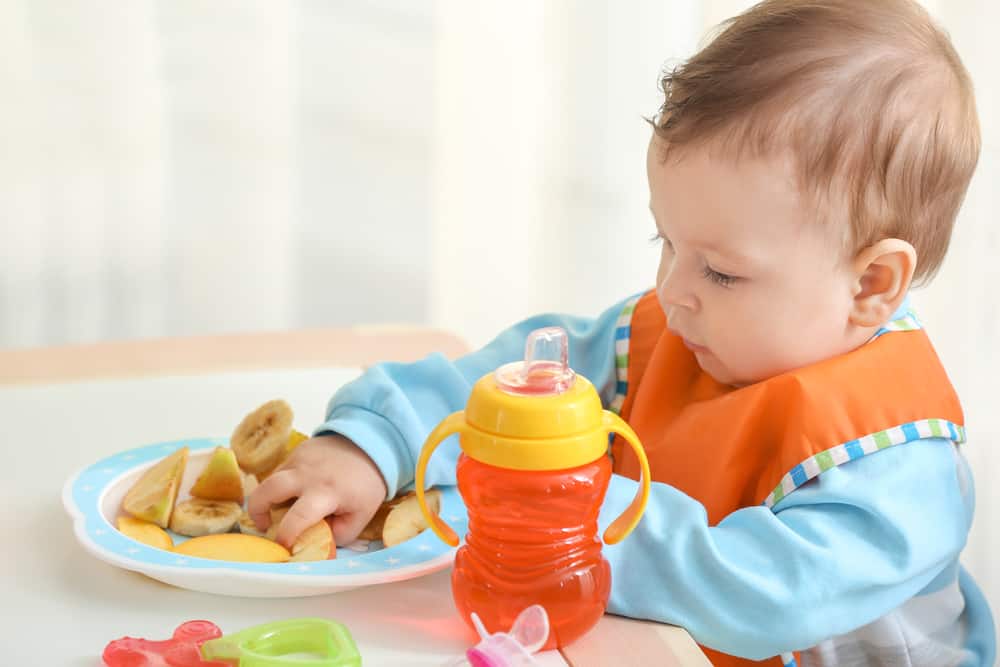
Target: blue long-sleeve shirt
868	544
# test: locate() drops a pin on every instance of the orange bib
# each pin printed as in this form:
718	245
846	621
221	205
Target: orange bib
730	448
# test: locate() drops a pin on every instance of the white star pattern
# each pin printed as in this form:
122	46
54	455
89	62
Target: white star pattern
181	561
303	568
128	457
108	471
88	488
391	560
424	547
133	550
353	564
100	531
454	518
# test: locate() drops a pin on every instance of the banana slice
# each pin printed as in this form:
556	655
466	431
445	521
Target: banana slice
247	526
197	516
260	440
405	520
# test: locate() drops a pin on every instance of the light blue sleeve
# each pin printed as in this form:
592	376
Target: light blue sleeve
392	407
841	551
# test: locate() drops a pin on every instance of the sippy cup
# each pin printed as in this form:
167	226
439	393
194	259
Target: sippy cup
533	472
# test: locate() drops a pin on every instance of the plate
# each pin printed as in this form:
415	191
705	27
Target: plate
93	498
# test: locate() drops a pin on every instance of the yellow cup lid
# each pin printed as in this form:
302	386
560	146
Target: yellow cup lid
535	414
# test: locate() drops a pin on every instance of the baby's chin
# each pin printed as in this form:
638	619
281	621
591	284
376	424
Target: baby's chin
743	377
722	374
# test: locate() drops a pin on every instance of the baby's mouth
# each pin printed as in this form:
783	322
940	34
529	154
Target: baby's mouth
694	347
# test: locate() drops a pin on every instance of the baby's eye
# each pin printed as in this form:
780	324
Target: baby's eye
718	278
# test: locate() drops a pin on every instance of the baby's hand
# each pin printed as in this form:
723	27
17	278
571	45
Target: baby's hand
329	475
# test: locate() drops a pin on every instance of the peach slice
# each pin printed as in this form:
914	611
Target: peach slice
221	479
234	547
152	496
145	532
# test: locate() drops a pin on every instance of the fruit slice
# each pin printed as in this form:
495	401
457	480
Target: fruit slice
221	479
250	483
315	543
277	513
295	439
373	531
197	516
234	547
247	526
152	496
145	532
405	520
260	439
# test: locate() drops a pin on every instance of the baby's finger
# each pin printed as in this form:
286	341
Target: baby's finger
347	527
304	512
277	488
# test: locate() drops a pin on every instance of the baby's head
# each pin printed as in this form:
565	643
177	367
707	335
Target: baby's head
806	166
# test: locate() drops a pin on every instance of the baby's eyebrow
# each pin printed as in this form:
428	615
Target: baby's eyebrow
730	254
726	253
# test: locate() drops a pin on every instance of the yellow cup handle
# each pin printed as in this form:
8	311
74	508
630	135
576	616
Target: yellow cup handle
628	520
453	423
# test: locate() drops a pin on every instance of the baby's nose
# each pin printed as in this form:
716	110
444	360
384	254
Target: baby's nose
673	292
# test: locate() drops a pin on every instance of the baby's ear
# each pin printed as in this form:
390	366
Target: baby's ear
883	273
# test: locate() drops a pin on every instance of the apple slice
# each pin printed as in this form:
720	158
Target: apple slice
315	543
145	532
405	520
152	496
221	479
373	531
234	547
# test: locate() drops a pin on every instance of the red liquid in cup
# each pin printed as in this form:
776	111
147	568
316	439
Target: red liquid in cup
533	539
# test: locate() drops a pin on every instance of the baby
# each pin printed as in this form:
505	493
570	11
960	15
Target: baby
810	500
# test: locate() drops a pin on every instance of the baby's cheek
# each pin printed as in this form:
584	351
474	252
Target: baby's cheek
753	355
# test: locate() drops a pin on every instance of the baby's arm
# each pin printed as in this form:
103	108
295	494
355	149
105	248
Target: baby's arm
388	413
837	553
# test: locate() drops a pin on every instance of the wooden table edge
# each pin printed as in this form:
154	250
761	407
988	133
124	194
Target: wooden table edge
301	348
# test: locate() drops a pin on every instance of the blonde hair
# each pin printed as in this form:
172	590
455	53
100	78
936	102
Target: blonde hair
869	96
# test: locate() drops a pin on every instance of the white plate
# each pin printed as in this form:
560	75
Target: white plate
93	498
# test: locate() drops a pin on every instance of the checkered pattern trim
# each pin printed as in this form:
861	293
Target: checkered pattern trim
908	322
623	331
855	449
